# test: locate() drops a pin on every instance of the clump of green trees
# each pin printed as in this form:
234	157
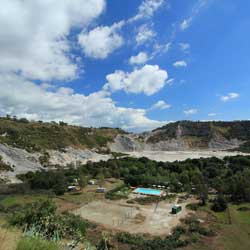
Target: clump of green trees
230	176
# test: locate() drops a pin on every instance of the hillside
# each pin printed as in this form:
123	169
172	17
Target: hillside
188	135
215	134
39	136
30	146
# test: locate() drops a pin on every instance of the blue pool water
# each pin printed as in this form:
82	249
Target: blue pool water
148	191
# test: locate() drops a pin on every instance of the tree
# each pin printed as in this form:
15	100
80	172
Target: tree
101	179
219	204
203	193
83	181
201	187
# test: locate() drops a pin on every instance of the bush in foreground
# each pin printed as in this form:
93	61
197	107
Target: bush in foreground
40	218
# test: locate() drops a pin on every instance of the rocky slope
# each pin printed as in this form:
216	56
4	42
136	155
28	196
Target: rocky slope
21	161
186	135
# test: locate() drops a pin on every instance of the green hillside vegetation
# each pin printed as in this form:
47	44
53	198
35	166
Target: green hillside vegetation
39	136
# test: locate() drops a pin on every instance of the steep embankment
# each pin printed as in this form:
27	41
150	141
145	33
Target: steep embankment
30	146
187	135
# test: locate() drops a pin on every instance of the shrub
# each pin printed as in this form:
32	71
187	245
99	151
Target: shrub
118	193
193	206
219	204
40	218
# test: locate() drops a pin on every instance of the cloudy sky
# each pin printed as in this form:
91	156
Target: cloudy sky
134	64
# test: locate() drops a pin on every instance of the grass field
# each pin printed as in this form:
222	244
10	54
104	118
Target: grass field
236	235
233	229
20	200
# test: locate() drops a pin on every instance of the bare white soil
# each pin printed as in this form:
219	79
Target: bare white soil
134	218
172	156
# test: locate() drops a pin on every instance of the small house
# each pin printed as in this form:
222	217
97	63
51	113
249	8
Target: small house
91	182
176	209
100	190
72	188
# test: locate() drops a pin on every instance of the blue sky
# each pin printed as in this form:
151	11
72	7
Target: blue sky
132	64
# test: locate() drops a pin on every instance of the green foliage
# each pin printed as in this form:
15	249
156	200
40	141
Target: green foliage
229	176
245	147
195	227
38	136
152	199
40	218
139	242
193	206
219	204
28	243
48	180
118	193
83	181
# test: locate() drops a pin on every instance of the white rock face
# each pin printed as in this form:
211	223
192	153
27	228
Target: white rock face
75	155
135	143
23	161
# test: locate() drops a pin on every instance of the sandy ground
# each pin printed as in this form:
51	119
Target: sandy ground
9	239
133	218
171	156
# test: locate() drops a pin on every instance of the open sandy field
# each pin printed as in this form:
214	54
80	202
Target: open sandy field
133	218
181	155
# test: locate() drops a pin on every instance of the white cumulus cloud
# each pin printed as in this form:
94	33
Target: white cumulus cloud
179	64
161	105
184	47
140	58
190	111
34	36
101	41
229	97
199	5
186	23
147	9
26	99
212	114
148	80
145	34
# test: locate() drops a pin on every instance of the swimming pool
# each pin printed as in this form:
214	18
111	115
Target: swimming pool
148	191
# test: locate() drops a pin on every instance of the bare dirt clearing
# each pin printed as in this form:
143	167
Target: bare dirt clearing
172	156
133	218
